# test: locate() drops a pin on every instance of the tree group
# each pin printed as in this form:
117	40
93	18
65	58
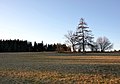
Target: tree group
25	46
82	40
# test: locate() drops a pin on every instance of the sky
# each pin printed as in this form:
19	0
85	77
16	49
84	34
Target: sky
50	20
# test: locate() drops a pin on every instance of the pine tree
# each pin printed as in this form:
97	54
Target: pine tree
83	35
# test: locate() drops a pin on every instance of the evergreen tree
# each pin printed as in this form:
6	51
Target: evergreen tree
83	36
35	47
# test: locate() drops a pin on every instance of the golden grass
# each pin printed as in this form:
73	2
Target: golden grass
56	77
83	59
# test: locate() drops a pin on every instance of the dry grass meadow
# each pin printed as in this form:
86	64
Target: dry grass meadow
59	68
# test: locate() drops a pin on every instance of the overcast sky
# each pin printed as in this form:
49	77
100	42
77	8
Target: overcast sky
50	20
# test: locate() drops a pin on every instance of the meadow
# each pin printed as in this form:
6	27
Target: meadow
59	68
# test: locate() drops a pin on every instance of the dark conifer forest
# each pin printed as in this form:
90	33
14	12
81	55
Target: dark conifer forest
26	46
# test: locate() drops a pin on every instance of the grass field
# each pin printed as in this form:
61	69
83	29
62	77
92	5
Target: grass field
59	68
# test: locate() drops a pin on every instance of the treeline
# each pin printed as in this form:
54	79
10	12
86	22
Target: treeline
26	46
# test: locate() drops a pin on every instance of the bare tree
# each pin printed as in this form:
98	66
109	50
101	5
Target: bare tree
104	44
71	40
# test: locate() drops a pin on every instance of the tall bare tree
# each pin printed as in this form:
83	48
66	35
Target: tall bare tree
104	44
71	40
